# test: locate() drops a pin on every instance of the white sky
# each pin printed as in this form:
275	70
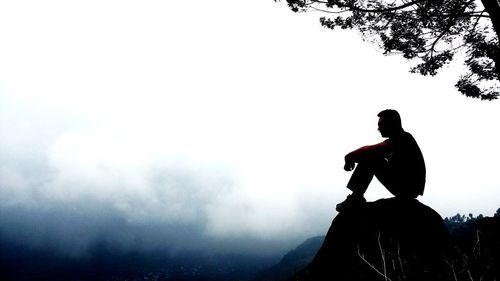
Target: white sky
233	113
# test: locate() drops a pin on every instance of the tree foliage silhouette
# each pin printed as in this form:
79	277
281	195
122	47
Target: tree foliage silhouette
429	31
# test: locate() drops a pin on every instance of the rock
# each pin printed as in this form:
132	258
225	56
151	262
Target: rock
393	238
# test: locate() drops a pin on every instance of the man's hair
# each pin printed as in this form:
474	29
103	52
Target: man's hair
391	116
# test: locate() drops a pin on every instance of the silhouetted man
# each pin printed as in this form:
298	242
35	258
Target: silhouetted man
397	163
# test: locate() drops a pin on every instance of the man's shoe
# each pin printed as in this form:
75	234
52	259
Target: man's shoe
352	201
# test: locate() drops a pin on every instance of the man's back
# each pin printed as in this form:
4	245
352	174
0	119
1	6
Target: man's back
407	162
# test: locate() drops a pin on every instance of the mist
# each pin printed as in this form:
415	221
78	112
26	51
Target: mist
68	183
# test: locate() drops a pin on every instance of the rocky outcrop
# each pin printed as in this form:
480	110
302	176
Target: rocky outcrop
389	239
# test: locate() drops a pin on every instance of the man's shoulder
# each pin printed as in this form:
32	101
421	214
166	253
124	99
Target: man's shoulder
404	139
402	136
407	136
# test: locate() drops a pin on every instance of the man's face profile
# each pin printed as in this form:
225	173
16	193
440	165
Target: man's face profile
383	127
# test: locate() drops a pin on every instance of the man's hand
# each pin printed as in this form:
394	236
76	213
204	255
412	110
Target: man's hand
349	163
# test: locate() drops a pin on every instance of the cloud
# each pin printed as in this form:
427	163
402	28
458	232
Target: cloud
107	183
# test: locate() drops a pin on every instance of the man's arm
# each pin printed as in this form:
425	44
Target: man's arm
363	153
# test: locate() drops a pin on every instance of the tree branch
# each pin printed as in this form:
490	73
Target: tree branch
364	10
329	12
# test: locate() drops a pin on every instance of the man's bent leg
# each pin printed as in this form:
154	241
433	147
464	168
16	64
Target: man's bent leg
361	179
358	184
395	184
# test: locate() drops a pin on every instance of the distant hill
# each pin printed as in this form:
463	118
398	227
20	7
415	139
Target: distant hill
294	260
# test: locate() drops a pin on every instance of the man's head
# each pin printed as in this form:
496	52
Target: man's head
389	123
